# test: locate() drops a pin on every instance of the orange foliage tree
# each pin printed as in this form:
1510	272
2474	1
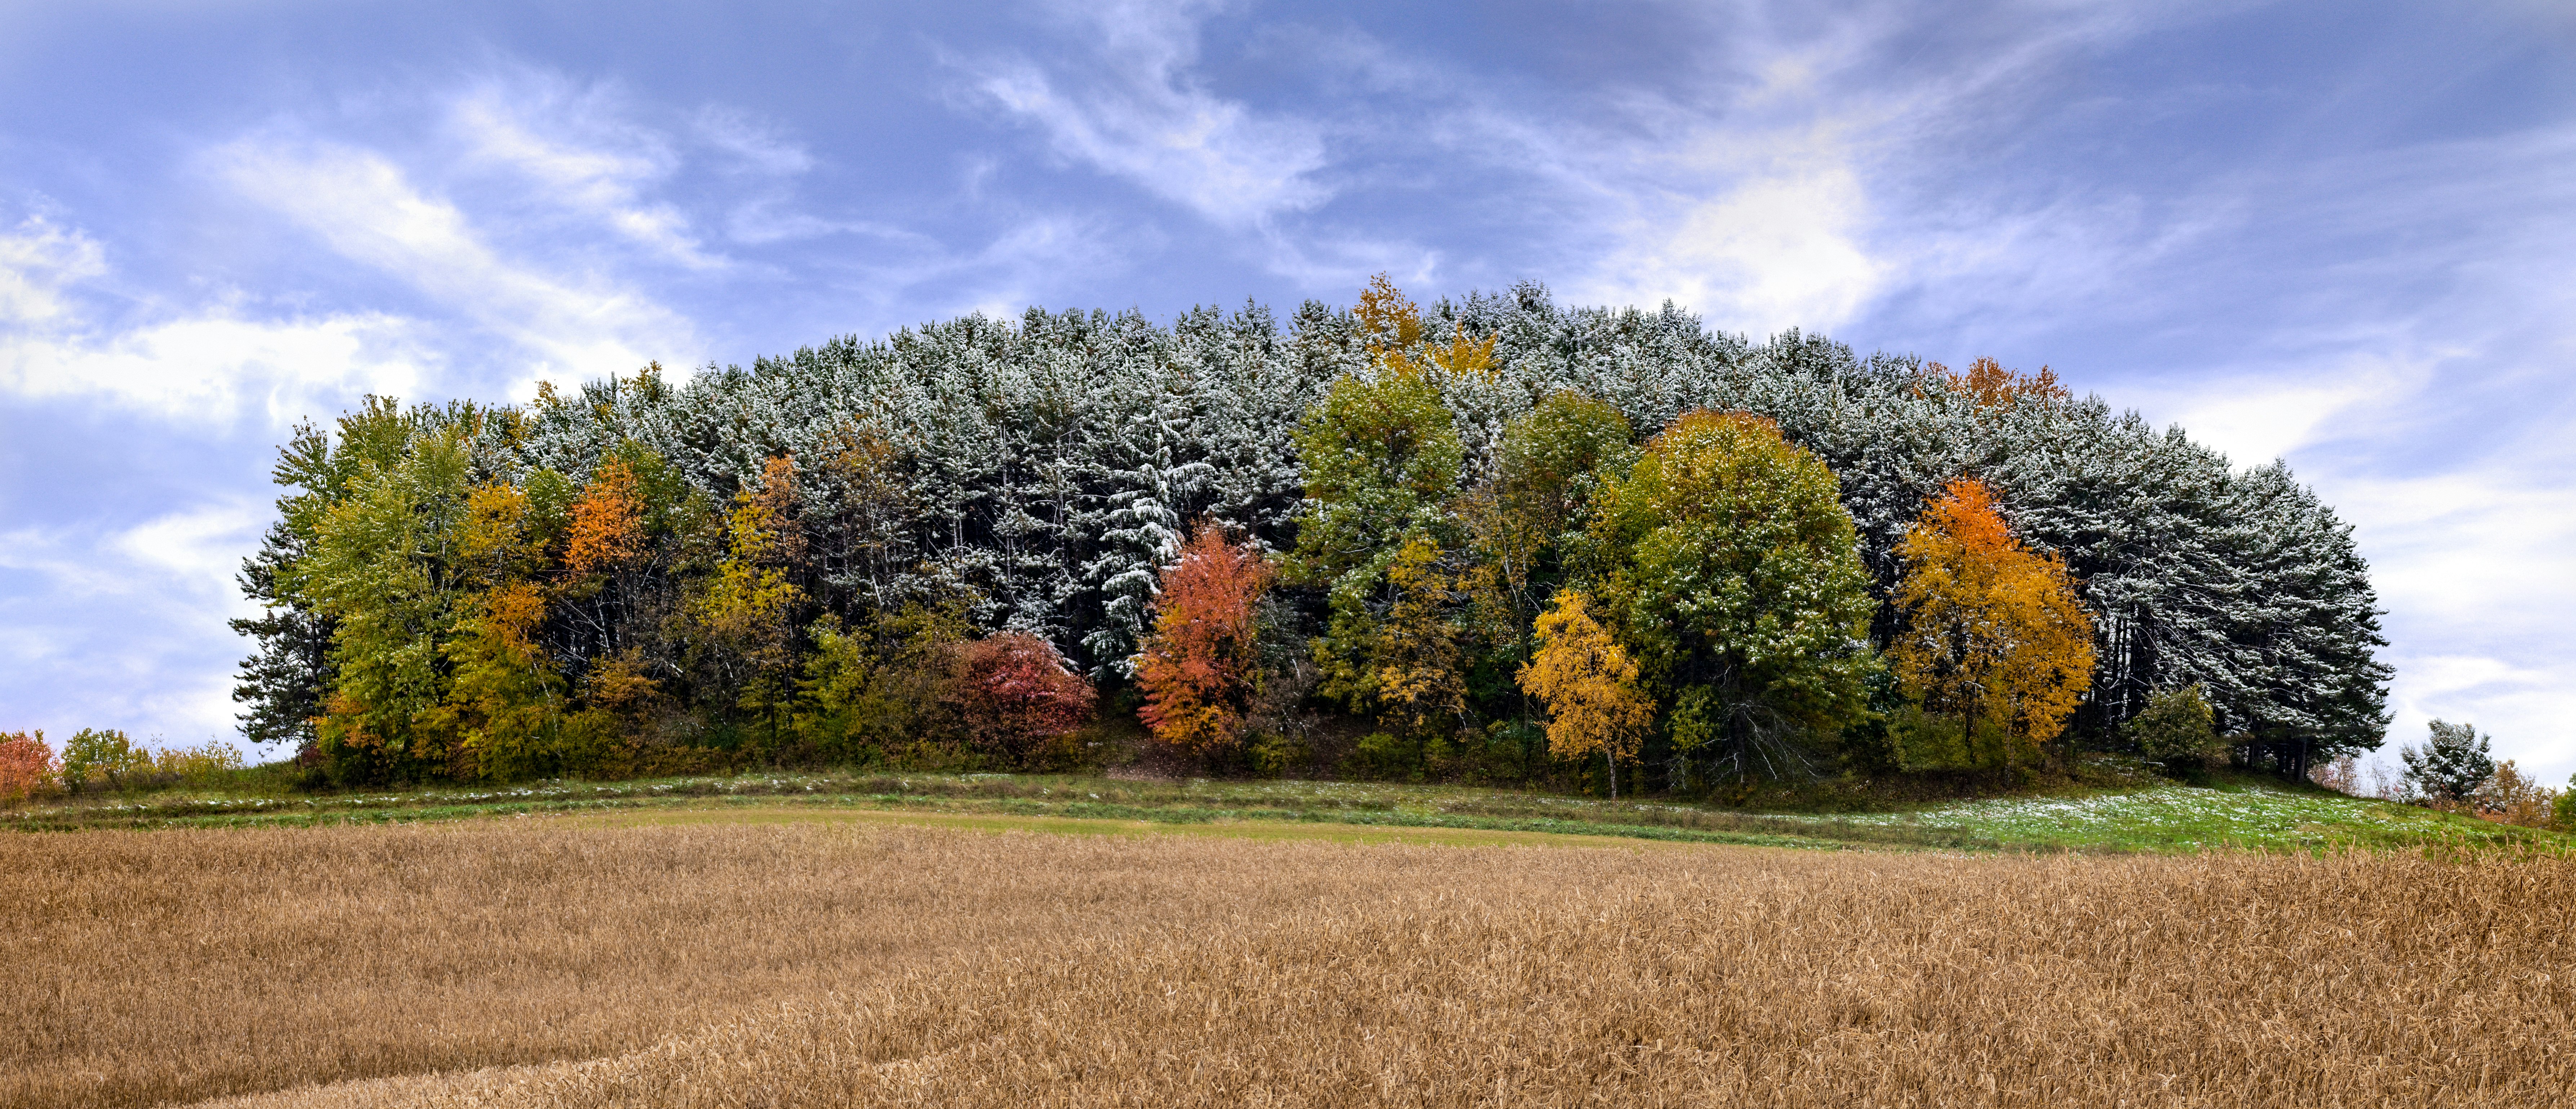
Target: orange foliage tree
1992	386
608	521
1200	666
1589	685
26	764
1015	697
1995	636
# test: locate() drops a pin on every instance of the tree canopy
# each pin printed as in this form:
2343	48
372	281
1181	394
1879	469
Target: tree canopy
787	560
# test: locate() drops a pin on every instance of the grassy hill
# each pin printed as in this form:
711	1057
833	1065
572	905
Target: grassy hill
2131	814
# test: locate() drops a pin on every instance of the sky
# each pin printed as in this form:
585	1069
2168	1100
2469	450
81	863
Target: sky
2339	233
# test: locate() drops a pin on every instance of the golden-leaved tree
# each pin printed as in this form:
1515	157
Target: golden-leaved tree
1994	637
1589	685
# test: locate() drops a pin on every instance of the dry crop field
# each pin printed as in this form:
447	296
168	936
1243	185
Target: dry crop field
547	963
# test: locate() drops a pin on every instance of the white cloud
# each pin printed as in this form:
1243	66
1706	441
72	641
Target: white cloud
1768	252
207	366
2522	708
37	261
365	208
1144	118
213	367
2485	557
198	548
76	661
755	146
2254	417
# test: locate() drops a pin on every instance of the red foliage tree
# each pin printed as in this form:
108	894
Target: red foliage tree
26	764
1014	695
1198	667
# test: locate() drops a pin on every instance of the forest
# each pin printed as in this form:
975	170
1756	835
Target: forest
1490	539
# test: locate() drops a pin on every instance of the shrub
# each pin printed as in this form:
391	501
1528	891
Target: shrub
2514	798
105	753
1015	697
2177	731
198	765
26	764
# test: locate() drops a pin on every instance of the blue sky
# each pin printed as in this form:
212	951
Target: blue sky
2341	233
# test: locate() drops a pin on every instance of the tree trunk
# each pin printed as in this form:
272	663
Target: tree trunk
1612	757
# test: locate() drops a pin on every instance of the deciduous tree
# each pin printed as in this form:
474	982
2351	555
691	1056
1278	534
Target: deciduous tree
1729	568
1523	522
102	753
386	567
1414	670
1589	685
26	764
1016	697
746	610
1382	457
1200	669
1994	636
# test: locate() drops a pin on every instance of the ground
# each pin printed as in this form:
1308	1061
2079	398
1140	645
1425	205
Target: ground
789	950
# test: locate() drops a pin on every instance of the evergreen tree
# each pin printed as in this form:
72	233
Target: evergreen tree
2451	765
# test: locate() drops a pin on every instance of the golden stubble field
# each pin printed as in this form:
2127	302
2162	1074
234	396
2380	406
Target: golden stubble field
528	963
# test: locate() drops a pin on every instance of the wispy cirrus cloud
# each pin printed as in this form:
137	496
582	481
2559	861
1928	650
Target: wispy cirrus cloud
38	260
365	208
583	155
1141	114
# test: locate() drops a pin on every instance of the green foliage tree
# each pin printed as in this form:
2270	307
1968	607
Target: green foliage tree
2451	765
2177	732
1382	459
1524	522
1730	569
881	689
103	753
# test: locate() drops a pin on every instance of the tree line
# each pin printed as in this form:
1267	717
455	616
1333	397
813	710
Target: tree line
1490	538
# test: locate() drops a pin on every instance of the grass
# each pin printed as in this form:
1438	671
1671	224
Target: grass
788	956
2128	813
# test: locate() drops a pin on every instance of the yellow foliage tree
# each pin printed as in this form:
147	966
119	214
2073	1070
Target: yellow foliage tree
1415	671
1995	636
747	610
1385	313
1589	685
